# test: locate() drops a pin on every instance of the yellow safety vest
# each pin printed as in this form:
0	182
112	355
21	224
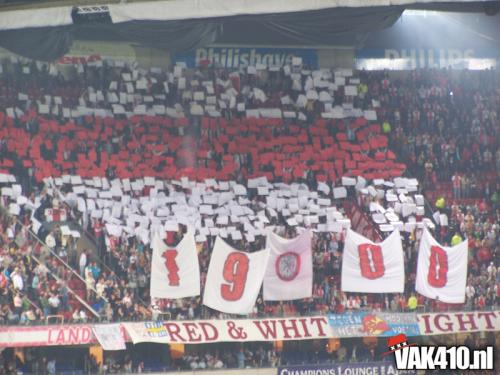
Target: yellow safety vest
386	127
440	203
455	240
412	302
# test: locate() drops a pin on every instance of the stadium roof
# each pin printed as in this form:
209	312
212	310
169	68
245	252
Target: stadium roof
177	25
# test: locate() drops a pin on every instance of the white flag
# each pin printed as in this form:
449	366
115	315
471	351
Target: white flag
289	273
234	278
369	267
441	271
109	336
175	272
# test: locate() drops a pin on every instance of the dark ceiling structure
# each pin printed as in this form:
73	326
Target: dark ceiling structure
333	26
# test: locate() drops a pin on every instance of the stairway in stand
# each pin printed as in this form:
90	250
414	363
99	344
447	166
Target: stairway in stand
361	222
78	286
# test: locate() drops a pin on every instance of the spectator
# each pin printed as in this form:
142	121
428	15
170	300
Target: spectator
17	279
83	262
54	303
89	283
51	367
412	302
438	136
470	293
456	239
241	358
456	181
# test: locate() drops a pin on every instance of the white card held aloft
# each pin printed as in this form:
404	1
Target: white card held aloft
339	192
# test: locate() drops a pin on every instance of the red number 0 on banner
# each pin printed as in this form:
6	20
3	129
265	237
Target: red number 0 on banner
371	261
172	268
438	268
235	273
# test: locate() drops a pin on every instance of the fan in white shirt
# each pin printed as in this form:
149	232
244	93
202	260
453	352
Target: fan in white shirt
82	263
470	292
17	279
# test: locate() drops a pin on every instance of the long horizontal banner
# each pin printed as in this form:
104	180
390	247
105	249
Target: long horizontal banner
55	335
358	324
458	322
372	368
60	335
373	324
238	330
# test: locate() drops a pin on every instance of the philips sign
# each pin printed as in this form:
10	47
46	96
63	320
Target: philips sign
234	57
425	58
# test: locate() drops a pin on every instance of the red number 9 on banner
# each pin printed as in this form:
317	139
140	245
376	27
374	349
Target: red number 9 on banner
235	273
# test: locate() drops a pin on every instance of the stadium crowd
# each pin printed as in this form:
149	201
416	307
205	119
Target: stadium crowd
441	126
444	126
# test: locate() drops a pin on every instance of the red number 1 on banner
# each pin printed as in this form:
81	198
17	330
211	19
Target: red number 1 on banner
371	261
438	267
172	268
235	273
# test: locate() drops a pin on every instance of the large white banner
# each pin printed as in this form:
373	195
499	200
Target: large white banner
459	322
109	336
289	273
53	335
234	278
230	330
270	329
175	272
441	270
369	267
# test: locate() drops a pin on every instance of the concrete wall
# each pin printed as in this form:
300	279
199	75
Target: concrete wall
336	58
108	49
147	57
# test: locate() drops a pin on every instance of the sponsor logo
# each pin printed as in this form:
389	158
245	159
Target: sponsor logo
236	57
396	343
288	266
367	368
374	325
155	329
413	357
360	324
